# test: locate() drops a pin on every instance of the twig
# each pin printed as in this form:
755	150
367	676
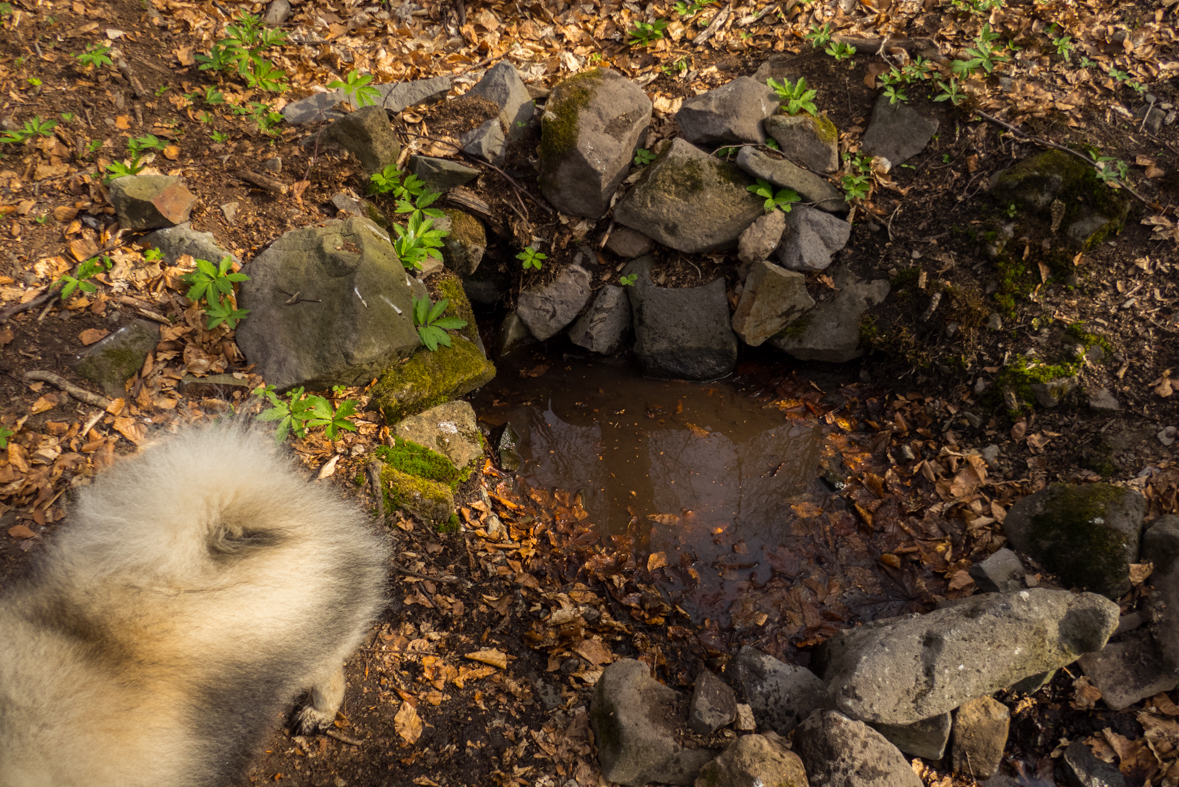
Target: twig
1046	143
374	478
81	394
269	184
12	311
141	308
926	47
447	579
341	737
746	21
127	73
721	17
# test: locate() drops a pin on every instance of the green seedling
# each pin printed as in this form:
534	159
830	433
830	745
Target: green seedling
417	241
68	117
1063	43
772	143
241	52
266	118
357	88
857	182
531	258
32	128
219	137
79	281
795	96
162	89
1111	171
819	36
645	33
982	55
950	91
5	433
643	157
976	7
213	284
628	280
773	199
840	51
302	411
432	326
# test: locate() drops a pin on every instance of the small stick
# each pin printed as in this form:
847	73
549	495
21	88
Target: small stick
341	737
717	22
81	394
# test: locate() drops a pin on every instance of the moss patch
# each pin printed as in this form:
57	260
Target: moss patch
825	130
428	379
428	500
450	287
1072	539
561	120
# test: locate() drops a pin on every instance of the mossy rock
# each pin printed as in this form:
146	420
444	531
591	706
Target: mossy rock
450	287
431	378
430	501
1087	535
464	246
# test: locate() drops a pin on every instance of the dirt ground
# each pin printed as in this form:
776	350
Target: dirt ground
481	669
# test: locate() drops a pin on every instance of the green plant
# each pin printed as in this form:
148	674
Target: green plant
983	54
795	95
646	32
531	257
34	81
1111	171
628	280
857	180
92	146
432	326
5	432
1063	43
976	7
241	52
32	128
119	169
68	117
772	143
213	96
1127	80
86	270
773	199
419	204
950	92
819	36
44	217
1086	62
162	89
417	241
266	118
643	157
213	284
302	411
5	12
692	8
218	136
153	255
357	88
138	146
95	57
676	67
840	50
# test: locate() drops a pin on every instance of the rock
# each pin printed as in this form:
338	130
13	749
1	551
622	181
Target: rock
810	141
634	720
896	131
487	285
903	670
745	721
784	174
1033	684
980	735
345	203
926	738
113	361
1002	572
1086	535
1160	546
392	97
1062	191
781	695
760	238
629	243
277	12
512	335
591	126
359	323
1102	399
1082	768
840	752
1128	671
1052	392
505	444
681	333
428	500
713	704
502	86
146	202
772	299
831	331
448	429
367	135
431	378
603	328
463	248
175	242
812	238
754	760
549	308
731	113
487	142
441	174
690	201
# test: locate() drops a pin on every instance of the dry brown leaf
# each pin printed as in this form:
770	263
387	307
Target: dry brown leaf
92	335
21	531
1086	694
656	560
122	122
496	658
44	404
594	651
696	430
1139	572
961	579
407	723
127	427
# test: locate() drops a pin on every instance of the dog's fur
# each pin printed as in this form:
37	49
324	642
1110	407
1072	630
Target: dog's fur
199	588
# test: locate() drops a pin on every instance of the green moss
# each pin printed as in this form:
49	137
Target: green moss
428	379
1021	374
797	328
429	500
451	525
1077	332
825	130
417	460
450	287
1071	538
559	125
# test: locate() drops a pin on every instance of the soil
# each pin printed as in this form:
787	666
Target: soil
481	669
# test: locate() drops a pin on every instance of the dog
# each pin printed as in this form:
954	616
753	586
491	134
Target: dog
198	589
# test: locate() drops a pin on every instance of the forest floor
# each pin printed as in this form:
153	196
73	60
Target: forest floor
481	669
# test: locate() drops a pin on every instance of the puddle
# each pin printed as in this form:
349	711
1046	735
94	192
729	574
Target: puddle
719	491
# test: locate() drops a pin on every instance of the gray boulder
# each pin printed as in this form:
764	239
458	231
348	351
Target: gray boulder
505	445
897	132
810	141
812	238
629	243
787	175
1002	572
681	333
634	719
367	135
146	202
772	299
603	328
926	738
466	242
714	705
512	335
1128	671
732	113
903	670
110	363
980	735
347	204
441	174
690	201
175	242
753	761
760	238
502	86
487	142
1087	535
1082	768
781	695
840	752
392	97
1160	546
549	308
831	331
448	429
352	315
591	126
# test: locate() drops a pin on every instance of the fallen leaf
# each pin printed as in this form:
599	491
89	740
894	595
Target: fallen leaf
122	122
172	152
1139	572
594	651
961	579
656	560
21	531
496	658
44	404
696	430
92	335
407	723
1086	694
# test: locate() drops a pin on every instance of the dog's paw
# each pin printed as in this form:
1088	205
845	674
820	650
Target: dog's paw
310	720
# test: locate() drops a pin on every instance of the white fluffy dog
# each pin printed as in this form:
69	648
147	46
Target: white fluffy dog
199	588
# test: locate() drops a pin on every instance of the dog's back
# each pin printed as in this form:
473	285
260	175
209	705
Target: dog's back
198	589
